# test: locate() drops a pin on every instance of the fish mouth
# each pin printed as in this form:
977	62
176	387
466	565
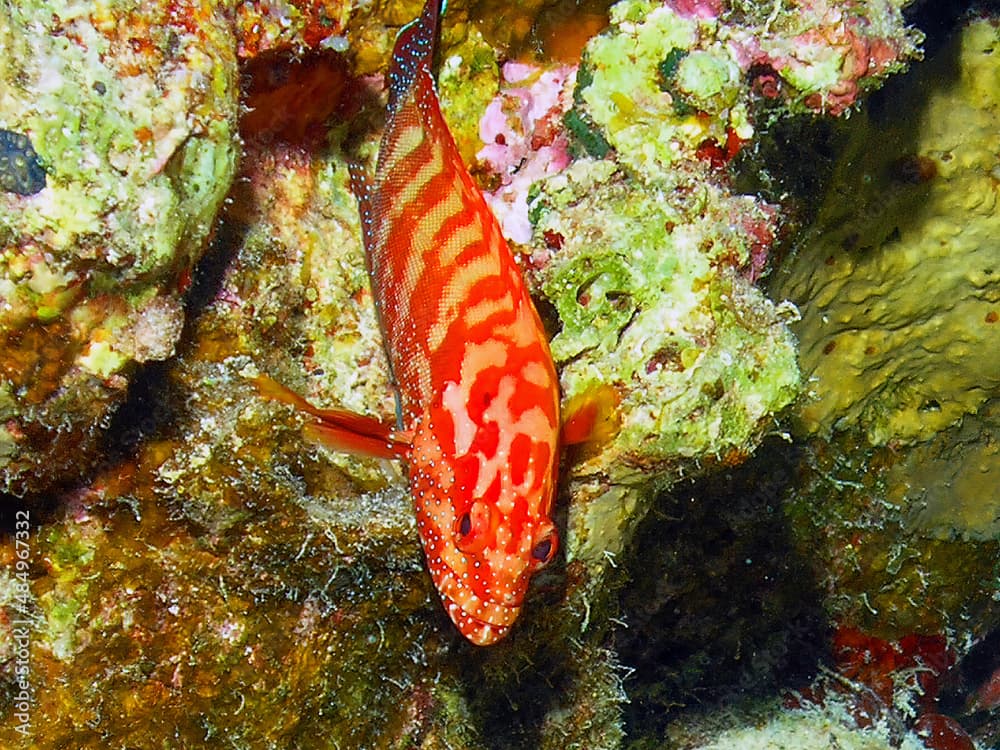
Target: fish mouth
477	631
482	621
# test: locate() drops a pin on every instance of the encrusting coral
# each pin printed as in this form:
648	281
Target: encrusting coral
131	111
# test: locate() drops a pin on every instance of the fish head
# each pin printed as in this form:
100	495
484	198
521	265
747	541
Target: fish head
482	505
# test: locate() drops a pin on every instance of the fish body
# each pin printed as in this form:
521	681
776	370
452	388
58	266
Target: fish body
477	390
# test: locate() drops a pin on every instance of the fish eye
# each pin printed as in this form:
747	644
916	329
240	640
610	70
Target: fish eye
542	550
545	548
464	524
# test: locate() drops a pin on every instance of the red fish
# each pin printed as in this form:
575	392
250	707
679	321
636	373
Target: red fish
477	393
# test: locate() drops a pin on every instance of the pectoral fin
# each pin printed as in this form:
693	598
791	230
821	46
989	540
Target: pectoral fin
591	417
340	429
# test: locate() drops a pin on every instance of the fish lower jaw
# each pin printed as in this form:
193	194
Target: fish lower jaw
479	632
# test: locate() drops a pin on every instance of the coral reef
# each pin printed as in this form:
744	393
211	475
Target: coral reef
298	25
895	503
222	580
524	139
132	112
232	581
674	77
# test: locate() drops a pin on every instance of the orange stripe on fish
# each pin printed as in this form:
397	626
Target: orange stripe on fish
477	393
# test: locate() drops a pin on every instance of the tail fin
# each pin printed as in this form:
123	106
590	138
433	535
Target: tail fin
414	50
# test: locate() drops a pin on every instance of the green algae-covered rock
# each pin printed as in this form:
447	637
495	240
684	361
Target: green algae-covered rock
132	114
650	302
667	77
898	557
621	85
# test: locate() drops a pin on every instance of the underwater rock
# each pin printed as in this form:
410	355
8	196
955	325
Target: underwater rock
223	580
231	566
133	112
297	25
670	78
649	300
905	541
647	262
813	728
897	283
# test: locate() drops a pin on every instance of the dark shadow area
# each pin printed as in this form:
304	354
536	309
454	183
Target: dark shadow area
36	509
938	19
152	406
511	708
206	281
967	691
721	606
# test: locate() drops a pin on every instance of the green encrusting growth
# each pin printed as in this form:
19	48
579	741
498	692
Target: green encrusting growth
132	110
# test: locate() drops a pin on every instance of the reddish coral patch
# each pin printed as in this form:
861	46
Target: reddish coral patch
553	239
718	155
289	98
875	662
939	732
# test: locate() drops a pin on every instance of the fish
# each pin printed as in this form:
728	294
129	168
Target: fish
478	406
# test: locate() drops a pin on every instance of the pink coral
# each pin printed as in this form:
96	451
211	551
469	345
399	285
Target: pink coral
525	140
864	56
705	9
859	49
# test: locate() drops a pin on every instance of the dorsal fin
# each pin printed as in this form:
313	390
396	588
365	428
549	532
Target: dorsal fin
414	50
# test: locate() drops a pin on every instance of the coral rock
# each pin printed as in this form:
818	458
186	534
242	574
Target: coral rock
133	114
